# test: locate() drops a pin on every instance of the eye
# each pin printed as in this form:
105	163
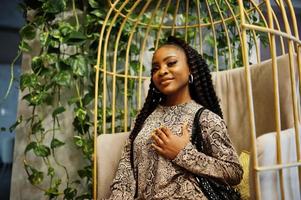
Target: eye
154	69
170	64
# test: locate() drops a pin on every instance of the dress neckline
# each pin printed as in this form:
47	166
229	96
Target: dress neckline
181	105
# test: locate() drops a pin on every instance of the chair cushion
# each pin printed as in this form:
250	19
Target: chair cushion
243	187
109	149
267	156
231	88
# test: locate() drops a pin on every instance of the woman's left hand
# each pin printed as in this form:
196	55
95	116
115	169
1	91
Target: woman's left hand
168	144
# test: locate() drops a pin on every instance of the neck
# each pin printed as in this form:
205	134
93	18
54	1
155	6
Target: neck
172	100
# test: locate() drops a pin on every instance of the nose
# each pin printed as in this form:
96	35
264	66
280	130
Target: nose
163	70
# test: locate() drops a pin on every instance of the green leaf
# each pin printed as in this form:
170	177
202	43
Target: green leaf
81	114
28	81
36	98
37	64
98	13
3	129
52	192
63	78
87	98
79	65
70	193
55	33
23	46
13	127
50	171
57	182
30	146
36	177
56	143
134	49
65	28
44	38
50	58
58	111
93	4
75	38
41	150
210	40
54	6
86	172
28	32
78	141
84	196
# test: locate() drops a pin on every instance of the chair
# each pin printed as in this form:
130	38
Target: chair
229	86
205	25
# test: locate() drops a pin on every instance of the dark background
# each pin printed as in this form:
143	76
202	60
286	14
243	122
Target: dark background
11	19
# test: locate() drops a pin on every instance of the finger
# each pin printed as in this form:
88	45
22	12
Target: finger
161	134
157	148
157	139
167	131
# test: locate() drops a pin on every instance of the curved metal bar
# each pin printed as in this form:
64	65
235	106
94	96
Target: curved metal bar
141	54
291	50
96	103
161	24
293	16
175	18
155	26
254	38
226	33
214	35
235	20
278	28
199	28
276	96
127	66
249	97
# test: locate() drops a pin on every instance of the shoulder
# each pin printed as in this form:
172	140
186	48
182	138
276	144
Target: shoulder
211	120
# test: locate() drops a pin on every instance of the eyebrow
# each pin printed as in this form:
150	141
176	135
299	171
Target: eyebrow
166	58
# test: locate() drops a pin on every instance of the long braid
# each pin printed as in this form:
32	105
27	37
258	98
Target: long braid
201	90
152	100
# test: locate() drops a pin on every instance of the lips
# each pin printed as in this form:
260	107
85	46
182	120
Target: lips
166	81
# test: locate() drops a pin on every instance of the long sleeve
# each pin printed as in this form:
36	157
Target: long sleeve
123	186
220	161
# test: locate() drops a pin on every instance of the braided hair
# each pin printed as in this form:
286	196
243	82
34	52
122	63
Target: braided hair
201	89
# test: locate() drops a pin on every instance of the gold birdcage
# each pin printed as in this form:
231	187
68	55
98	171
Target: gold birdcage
229	34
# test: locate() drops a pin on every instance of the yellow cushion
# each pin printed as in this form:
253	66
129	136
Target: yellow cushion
243	187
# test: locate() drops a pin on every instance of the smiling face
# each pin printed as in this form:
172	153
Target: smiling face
170	73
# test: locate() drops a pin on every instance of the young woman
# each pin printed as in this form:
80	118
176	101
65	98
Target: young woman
159	161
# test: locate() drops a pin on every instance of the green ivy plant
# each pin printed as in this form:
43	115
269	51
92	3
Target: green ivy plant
67	32
68	36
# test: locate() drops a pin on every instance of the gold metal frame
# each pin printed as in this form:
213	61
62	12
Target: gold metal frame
108	52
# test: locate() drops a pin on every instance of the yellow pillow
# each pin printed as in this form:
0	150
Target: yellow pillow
243	187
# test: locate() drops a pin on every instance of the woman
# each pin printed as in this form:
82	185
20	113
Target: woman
159	161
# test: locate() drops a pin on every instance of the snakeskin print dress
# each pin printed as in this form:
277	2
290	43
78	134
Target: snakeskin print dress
160	178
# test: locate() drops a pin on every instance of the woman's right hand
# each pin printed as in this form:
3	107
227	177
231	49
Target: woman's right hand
168	144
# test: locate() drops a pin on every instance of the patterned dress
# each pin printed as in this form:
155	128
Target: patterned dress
160	178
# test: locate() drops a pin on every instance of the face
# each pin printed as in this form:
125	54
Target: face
170	71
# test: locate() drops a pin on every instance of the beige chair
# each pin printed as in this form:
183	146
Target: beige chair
109	149
231	88
267	155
